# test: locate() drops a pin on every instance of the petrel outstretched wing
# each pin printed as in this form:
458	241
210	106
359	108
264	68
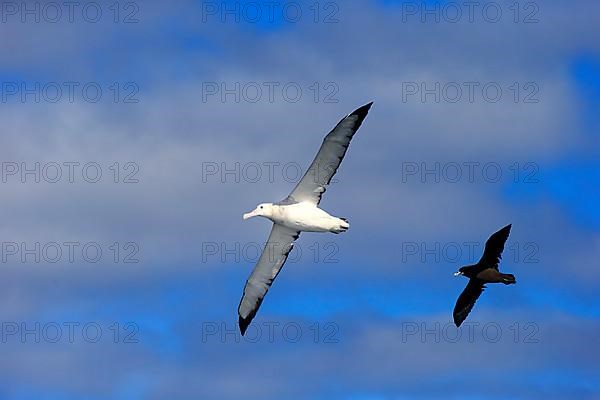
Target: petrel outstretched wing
467	300
494	247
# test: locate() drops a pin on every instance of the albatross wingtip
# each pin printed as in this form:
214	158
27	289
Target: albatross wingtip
363	111
244	323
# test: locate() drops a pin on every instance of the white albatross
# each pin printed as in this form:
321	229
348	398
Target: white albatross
298	212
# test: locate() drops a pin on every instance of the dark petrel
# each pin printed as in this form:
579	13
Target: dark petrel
485	271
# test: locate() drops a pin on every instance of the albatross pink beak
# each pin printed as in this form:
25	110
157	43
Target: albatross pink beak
249	215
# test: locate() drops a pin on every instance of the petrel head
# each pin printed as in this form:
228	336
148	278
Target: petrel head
461	271
262	210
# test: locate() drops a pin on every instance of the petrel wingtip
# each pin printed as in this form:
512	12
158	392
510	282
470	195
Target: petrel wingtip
458	320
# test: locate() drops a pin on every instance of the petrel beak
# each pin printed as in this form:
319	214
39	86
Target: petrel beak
249	215
458	273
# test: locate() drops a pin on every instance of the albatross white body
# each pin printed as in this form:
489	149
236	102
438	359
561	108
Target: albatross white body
303	216
299	212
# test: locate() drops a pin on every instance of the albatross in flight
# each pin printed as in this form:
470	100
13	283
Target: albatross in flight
485	271
298	212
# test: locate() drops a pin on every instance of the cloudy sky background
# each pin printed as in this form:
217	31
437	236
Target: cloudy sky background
363	315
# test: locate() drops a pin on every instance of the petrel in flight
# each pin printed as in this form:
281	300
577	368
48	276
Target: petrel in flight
298	212
485	271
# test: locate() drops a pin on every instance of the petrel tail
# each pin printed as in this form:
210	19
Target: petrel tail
508	279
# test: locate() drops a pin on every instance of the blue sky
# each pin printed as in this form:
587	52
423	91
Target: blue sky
191	87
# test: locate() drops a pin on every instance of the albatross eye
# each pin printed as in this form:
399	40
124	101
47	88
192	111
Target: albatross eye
261	207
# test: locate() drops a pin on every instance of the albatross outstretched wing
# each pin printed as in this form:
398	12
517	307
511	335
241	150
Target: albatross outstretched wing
328	159
279	245
494	247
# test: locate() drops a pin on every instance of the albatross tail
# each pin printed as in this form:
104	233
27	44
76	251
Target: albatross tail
342	227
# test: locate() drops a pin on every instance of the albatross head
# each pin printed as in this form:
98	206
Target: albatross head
262	210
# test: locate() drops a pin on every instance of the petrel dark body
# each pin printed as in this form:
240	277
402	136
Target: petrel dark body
485	271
